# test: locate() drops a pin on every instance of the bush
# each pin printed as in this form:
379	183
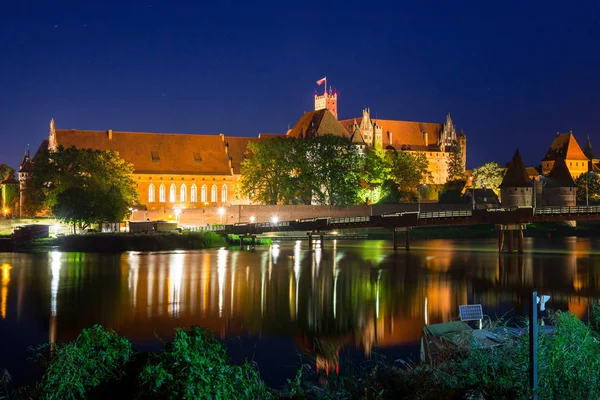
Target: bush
233	239
119	242
195	366
73	369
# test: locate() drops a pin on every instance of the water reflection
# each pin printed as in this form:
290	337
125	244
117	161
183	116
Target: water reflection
341	294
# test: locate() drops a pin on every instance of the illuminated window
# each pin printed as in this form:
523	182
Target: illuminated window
224	193
194	194
151	193
161	193
203	194
172	191
213	194
183	193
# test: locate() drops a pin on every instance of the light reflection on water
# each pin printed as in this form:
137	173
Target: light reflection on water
352	294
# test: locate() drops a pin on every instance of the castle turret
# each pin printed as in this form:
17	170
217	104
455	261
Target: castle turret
327	100
516	187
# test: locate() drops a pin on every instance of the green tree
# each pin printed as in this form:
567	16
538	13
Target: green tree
407	172
376	171
332	170
81	186
5	171
588	184
489	176
269	172
456	168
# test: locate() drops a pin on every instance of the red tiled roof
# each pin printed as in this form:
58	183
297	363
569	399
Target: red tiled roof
156	152
9	180
317	123
516	174
404	133
564	146
560	176
237	151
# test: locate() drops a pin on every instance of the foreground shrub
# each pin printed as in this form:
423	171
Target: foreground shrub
119	242
569	360
196	366
73	369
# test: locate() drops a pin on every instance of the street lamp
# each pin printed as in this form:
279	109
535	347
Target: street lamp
5	213
177	214
221	212
275	219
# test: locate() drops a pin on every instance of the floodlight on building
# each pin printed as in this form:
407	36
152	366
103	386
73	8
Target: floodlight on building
252	218
274	219
221	211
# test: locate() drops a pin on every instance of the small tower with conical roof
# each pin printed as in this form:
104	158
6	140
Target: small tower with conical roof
516	188
559	188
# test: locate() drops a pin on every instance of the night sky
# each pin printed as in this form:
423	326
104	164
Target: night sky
511	73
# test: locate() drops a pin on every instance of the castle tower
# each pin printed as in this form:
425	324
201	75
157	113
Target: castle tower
327	100
448	136
24	175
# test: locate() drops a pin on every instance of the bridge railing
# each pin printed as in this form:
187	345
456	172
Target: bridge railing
348	220
567	210
446	214
205	228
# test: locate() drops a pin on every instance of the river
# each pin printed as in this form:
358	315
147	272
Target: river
350	299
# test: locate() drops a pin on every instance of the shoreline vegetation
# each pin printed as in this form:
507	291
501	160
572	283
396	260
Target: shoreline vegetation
167	241
101	364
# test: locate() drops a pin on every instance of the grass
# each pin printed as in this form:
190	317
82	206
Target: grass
119	242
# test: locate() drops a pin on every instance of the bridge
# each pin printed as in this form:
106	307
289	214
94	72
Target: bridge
509	222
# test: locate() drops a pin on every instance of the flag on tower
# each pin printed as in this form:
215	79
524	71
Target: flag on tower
321	81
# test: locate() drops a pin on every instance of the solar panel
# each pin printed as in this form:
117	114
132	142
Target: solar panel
470	312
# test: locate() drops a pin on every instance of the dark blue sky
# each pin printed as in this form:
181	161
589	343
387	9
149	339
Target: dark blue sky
511	73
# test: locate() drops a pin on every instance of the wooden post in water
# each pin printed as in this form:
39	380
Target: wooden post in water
407	239
510	241
395	234
322	239
310	243
500	240
241	241
520	240
253	242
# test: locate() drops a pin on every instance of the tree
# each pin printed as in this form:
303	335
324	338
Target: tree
268	174
81	186
5	171
456	167
408	171
332	170
376	170
589	184
488	176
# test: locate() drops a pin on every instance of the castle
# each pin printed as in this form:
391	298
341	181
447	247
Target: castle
198	170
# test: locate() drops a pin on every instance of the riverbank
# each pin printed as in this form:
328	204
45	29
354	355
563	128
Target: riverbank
196	365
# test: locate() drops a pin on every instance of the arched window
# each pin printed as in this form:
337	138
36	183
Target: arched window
183	193
194	194
213	194
161	193
224	194
203	194
172	191
151	193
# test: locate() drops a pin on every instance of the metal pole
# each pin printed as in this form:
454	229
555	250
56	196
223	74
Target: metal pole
473	190
533	345
587	184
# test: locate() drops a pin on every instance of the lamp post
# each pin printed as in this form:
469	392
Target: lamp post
5	213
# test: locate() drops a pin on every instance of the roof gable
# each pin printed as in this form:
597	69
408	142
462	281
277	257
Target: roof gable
564	146
317	123
516	174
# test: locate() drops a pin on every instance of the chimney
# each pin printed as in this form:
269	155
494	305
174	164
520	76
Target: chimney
110	134
426	137
390	137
